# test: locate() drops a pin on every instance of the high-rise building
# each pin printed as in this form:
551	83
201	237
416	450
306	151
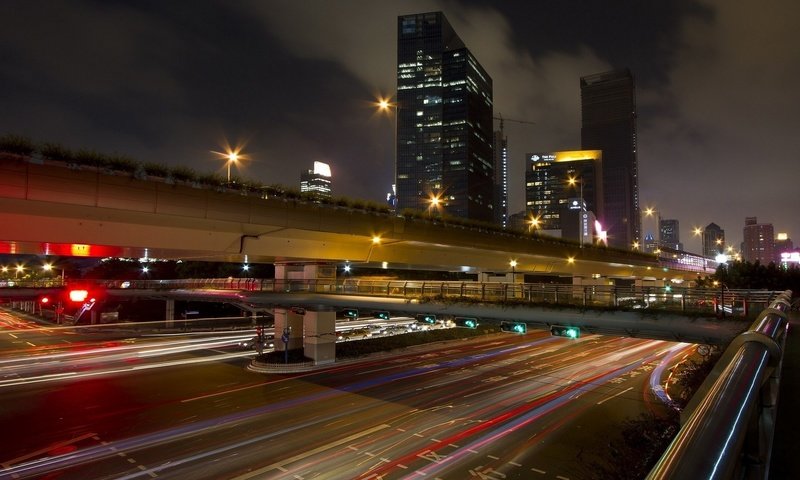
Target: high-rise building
444	114
608	123
551	179
500	148
759	241
783	244
713	240
317	181
670	234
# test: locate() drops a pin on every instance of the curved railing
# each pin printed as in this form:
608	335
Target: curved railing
728	426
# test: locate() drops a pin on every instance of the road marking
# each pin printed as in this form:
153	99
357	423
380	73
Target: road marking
538	471
515	464
562	478
452	445
493	457
279	465
402	466
615	395
8	463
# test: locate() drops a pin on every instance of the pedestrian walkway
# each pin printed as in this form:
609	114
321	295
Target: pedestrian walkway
785	464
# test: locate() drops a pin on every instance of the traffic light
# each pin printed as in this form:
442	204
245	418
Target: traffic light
514	327
564	331
466	322
78	295
426	318
350	312
383	315
668	289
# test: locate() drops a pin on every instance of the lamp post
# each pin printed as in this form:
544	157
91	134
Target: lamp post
652	212
233	157
513	264
533	224
435	201
48	267
386	106
19	270
572	181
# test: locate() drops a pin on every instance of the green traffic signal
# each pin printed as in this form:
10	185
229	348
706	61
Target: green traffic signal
514	327
426	318
467	322
564	331
383	315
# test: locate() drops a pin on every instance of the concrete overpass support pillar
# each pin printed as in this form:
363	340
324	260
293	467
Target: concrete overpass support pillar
169	315
319	326
288	318
305	276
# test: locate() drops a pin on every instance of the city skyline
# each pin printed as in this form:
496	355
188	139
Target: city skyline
171	82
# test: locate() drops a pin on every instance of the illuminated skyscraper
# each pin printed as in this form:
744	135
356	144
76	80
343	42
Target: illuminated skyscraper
551	179
317	181
500	178
669	230
444	114
759	241
608	123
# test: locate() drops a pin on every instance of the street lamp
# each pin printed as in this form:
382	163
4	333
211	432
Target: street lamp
533	223
513	264
572	181
652	212
48	267
233	157
385	105
20	269
435	201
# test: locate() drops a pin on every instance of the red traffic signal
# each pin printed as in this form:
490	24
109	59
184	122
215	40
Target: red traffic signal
78	295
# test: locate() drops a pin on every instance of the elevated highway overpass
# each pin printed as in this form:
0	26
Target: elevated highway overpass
52	208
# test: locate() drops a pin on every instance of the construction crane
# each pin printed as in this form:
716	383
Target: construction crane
500	117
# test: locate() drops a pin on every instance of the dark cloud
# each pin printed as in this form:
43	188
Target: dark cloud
171	81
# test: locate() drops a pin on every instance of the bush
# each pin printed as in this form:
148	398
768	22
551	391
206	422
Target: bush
211	179
183	174
17	144
122	163
56	151
91	158
156	170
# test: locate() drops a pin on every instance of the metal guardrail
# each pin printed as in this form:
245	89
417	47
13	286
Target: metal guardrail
684	299
728	426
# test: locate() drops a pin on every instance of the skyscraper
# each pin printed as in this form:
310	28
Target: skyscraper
759	241
713	240
669	230
444	114
551	179
500	147
317	181
608	123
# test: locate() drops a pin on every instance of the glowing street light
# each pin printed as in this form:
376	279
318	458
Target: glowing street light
20	269
48	267
533	223
636	245
233	157
513	264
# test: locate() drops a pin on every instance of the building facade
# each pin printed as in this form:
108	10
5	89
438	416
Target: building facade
500	149
551	179
759	241
713	240
444	115
317	181
608	123
669	231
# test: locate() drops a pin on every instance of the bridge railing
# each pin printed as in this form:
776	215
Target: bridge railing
728	426
675	298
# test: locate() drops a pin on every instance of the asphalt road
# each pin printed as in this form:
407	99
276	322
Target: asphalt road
98	405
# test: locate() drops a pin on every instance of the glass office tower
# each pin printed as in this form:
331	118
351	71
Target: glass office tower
444	115
608	123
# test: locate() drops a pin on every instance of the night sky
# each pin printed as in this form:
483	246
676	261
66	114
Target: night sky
294	81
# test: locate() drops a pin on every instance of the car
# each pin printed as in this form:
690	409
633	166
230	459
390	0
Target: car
252	343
